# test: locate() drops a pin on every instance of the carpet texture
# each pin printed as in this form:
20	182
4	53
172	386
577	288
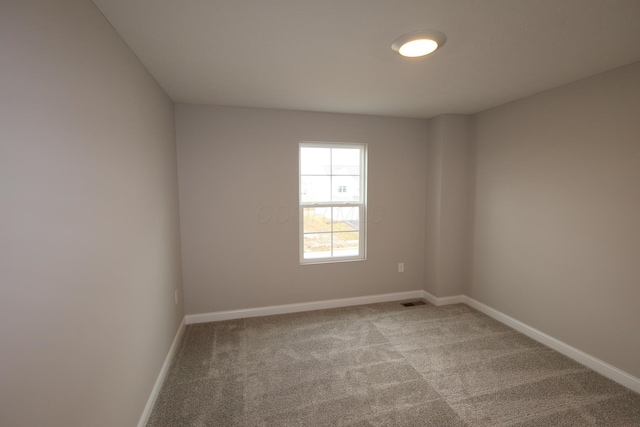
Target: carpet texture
381	365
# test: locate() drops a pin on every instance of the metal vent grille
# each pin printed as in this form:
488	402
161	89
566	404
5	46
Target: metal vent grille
413	303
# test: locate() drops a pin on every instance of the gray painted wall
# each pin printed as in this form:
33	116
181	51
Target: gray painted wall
89	229
238	172
557	234
449	165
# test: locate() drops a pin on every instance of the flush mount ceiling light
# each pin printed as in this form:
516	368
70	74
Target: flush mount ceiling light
418	43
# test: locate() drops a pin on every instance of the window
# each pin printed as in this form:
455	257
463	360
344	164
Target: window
332	202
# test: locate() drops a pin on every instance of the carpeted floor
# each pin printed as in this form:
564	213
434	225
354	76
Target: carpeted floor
381	365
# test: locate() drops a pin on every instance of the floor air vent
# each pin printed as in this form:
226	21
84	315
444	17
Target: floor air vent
413	304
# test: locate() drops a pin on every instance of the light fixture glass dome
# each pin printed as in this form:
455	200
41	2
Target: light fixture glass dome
418	43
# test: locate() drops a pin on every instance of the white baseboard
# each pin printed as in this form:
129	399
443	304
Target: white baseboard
305	306
579	356
456	299
144	419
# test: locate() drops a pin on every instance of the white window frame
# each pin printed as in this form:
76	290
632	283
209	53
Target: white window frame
362	204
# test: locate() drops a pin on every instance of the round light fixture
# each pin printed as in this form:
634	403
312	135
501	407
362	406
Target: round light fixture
418	43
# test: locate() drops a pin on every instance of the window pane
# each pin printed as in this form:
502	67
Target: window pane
345	161
317	245
315	161
346	219
315	188
332	201
345	189
317	219
346	244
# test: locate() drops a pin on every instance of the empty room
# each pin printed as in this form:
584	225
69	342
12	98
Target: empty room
319	213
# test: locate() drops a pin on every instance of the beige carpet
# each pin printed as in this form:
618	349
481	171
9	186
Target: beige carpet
381	365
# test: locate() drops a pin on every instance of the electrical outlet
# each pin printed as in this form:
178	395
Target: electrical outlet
175	295
401	267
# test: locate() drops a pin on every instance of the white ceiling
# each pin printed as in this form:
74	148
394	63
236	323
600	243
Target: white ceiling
335	55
